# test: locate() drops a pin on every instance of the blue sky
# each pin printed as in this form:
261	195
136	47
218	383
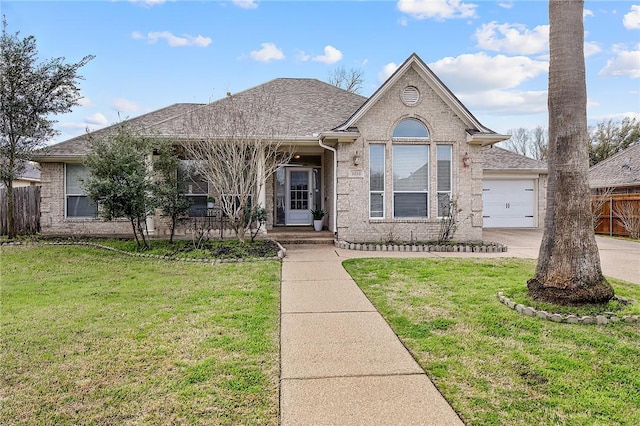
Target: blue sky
492	54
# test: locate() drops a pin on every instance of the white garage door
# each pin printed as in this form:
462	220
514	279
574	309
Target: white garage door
508	203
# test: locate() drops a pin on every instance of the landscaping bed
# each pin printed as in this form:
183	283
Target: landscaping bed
180	249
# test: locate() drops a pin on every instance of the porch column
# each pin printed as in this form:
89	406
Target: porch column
261	189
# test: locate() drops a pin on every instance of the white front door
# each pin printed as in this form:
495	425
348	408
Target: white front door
299	196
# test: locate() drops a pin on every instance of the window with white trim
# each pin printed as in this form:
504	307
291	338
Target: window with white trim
410	128
410	180
77	203
195	188
443	170
376	181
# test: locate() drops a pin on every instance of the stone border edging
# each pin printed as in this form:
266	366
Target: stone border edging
281	252
570	318
456	248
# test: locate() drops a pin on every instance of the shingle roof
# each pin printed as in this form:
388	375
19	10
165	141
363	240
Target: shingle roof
299	107
621	169
304	107
496	158
31	172
77	147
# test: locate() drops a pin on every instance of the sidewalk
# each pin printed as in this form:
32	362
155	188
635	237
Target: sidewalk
340	361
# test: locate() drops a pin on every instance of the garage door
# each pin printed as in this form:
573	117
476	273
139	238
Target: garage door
508	203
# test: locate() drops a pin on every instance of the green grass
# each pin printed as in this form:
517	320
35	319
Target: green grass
494	365
95	337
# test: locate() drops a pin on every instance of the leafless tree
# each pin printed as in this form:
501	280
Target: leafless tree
539	143
628	214
530	143
519	141
350	81
568	270
237	146
598	200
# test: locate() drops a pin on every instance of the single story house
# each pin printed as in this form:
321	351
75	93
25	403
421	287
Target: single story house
514	190
620	172
386	166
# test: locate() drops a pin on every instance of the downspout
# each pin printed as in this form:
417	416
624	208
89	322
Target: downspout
335	185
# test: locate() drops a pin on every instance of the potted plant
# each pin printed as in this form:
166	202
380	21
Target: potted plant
317	214
210	201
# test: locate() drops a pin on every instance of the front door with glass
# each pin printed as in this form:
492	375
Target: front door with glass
299	196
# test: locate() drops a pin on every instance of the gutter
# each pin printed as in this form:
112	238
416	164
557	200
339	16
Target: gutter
335	184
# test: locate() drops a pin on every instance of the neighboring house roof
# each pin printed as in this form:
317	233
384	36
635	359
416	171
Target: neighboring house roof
476	132
496	158
31	173
619	170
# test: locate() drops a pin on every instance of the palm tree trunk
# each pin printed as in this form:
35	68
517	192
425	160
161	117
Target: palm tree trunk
568	270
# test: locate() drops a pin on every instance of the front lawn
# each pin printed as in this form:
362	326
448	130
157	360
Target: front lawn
494	365
95	337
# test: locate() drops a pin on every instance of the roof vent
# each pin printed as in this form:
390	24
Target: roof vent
410	96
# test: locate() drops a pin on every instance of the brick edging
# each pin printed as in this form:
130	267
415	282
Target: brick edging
281	252
570	318
458	248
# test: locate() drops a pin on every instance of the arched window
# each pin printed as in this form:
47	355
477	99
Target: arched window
411	128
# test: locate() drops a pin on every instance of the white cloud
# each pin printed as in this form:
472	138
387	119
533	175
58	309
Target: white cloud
246	4
173	40
587	12
506	5
386	71
631	20
626	64
269	52
302	56
513	38
479	72
97	119
438	9
403	21
331	55
84	101
506	102
619	116
591	48
124	105
148	2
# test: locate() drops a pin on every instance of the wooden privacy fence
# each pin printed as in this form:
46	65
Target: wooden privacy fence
616	210
26	210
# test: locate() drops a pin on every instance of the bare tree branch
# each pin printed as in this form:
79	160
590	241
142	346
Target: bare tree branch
236	148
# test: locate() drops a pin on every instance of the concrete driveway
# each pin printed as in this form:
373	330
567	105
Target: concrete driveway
619	258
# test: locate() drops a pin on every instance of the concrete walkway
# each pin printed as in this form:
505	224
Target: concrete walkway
341	363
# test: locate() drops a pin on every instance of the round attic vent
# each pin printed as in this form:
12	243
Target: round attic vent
410	96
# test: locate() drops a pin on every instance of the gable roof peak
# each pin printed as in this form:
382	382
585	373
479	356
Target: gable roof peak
478	133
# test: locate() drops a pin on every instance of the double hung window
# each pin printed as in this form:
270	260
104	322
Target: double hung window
376	181
443	154
77	203
194	187
410	180
410	169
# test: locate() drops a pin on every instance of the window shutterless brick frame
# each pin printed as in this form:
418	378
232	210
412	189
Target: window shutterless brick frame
53	220
376	127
